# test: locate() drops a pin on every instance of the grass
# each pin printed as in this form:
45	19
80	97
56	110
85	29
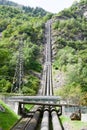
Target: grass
7	118
75	125
28	107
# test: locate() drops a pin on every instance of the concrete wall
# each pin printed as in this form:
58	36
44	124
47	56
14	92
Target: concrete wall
12	105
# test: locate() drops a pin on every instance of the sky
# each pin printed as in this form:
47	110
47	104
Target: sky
53	6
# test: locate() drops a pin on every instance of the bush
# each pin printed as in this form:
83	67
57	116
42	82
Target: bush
28	91
5	85
31	86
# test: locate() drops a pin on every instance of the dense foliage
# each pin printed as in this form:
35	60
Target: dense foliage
30	11
14	26
71	46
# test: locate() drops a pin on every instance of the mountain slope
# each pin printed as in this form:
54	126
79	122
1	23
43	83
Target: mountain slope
14	26
5	2
69	39
31	11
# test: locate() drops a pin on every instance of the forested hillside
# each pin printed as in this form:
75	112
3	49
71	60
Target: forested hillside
69	43
69	39
6	2
15	25
29	10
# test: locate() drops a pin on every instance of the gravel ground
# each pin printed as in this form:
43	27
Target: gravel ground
68	126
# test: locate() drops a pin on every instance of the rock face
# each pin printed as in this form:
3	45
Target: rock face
76	115
55	33
85	14
2	108
58	79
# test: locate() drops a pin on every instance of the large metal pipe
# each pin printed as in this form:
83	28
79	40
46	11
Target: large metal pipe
55	121
34	121
45	121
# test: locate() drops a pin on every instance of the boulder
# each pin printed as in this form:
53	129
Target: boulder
76	115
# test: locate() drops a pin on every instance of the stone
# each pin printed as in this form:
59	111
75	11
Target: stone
76	115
